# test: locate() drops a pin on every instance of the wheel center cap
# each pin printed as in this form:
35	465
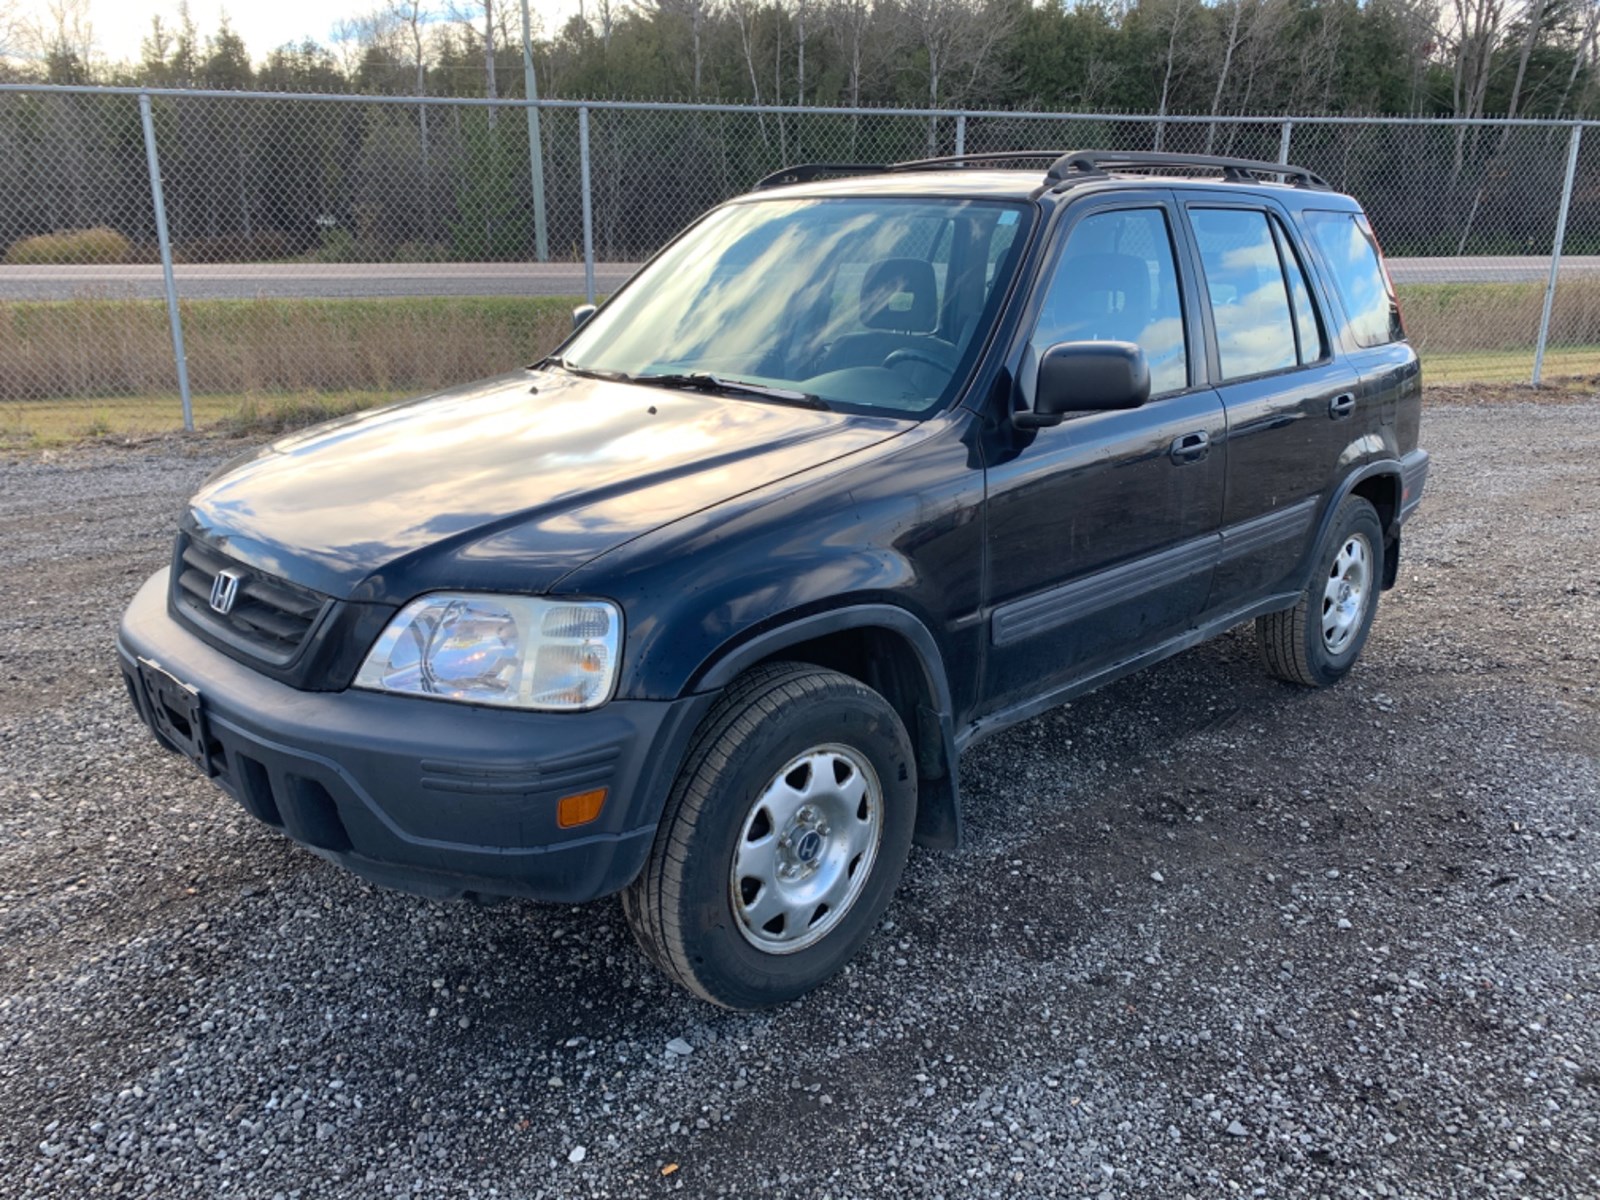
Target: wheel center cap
809	846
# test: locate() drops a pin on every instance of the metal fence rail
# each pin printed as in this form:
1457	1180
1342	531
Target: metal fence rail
159	241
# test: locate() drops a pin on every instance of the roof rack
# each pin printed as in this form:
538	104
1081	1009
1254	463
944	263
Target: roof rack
806	172
1066	169
1098	163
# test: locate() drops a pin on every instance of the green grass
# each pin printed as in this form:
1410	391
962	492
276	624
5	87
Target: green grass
1509	366
71	370
108	348
38	424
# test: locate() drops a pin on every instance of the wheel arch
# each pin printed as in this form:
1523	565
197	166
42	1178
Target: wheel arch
891	651
1381	485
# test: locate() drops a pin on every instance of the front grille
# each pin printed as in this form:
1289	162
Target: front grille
271	618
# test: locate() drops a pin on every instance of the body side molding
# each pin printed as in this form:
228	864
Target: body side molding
1043	611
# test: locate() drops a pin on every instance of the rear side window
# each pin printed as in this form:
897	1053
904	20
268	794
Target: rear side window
1249	298
1308	332
1346	241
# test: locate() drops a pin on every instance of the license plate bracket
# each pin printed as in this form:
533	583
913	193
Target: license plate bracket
177	713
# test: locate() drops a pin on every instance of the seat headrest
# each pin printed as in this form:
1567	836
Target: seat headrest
900	294
1124	275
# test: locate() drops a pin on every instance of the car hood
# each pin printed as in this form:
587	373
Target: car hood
507	484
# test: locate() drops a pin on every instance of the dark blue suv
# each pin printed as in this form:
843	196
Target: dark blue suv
866	465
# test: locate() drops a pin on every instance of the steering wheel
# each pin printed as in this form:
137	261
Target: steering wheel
917	354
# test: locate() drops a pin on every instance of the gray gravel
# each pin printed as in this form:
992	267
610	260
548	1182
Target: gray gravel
1211	935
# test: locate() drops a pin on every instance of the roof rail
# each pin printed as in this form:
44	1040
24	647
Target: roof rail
1073	166
806	172
988	156
1097	163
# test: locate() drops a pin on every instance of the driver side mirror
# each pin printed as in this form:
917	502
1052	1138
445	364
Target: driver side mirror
1086	377
581	314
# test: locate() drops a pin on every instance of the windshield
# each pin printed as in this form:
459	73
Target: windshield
870	305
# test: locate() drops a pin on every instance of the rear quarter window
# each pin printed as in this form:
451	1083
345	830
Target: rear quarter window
1351	252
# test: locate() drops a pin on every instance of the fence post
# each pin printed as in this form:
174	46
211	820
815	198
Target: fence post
588	211
1555	253
160	204
541	241
1283	142
961	134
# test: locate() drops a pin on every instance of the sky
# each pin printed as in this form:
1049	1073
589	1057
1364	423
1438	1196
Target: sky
120	25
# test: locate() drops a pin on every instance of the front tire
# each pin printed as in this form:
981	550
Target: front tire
783	839
1316	642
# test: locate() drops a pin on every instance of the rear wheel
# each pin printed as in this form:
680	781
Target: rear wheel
1316	642
782	841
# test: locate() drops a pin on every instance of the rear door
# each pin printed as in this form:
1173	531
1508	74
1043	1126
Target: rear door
1373	336
1102	531
1293	405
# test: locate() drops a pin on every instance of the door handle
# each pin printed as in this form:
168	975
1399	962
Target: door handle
1191	447
1342	405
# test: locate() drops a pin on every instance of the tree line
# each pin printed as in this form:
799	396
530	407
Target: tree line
1464	58
359	182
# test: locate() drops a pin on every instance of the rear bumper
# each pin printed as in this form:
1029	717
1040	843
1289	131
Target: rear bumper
431	797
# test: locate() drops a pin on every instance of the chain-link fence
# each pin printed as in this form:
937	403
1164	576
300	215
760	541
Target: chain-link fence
244	247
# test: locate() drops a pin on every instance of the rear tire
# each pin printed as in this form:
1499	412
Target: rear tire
783	839
1316	642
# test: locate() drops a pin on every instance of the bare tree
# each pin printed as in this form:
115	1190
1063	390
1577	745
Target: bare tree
1477	30
958	38
1230	44
10	29
410	18
1536	12
489	88
850	22
695	14
800	51
744	13
354	36
61	30
1582	54
1175	18
608	13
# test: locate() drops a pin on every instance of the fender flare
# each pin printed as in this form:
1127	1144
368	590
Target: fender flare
1371	470
939	802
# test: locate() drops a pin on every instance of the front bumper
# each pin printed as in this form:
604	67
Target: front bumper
426	796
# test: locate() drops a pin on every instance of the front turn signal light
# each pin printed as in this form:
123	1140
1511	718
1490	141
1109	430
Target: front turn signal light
579	808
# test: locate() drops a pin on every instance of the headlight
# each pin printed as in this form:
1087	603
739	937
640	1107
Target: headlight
515	651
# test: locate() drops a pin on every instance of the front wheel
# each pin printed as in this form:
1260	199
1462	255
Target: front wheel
783	839
1316	642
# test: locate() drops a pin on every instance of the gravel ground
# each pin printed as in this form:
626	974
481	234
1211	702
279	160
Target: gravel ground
1210	936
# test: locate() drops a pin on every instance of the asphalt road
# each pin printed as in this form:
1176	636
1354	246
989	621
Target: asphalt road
330	280
310	280
1210	936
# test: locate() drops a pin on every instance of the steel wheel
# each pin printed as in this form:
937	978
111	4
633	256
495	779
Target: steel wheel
806	849
1344	597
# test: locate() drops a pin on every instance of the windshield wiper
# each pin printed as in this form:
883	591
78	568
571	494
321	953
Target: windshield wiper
707	382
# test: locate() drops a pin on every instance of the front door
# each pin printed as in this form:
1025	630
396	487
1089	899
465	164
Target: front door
1102	531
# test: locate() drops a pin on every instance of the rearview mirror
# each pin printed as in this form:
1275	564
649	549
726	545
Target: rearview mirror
1086	377
581	314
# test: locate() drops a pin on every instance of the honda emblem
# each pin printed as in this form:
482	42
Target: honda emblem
224	591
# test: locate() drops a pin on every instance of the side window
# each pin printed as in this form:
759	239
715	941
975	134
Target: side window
1249	299
1117	281
1346	241
1308	333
